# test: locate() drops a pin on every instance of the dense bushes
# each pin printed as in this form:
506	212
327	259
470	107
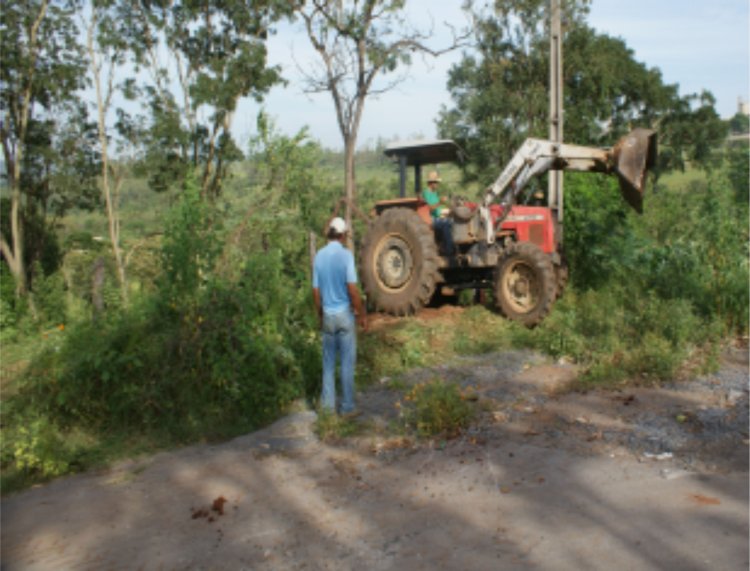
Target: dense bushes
199	366
615	334
210	354
691	244
649	292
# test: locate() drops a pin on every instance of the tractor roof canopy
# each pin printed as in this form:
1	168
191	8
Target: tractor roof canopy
422	152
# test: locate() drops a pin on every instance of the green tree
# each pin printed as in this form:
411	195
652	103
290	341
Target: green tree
690	130
106	47
739	124
500	92
44	130
287	174
500	88
738	167
218	56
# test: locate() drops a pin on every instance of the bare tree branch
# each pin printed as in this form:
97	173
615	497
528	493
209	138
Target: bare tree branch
357	43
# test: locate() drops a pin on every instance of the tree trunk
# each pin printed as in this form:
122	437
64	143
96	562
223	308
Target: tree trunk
114	235
349	188
15	258
102	104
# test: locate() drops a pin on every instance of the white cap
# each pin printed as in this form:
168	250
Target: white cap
338	225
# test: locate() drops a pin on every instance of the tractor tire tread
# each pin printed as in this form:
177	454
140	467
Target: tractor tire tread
543	266
407	224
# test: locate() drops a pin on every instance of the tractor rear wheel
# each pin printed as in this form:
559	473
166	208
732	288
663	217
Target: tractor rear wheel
399	262
525	283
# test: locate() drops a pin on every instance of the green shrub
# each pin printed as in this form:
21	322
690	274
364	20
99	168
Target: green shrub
192	242
655	358
610	331
38	447
213	364
437	408
12	309
703	257
597	229
673	320
691	245
582	326
50	297
35	450
206	356
414	348
331	427
557	336
738	173
479	331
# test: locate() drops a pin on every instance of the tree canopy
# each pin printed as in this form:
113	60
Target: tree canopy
48	151
217	55
187	64
500	92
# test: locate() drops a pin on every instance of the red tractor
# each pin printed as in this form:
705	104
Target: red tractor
498	244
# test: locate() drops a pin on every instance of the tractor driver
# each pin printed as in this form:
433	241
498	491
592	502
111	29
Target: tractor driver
441	222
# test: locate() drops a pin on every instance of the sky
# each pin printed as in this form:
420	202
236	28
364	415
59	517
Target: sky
697	44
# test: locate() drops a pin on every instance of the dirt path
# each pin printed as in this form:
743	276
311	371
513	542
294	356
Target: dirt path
642	479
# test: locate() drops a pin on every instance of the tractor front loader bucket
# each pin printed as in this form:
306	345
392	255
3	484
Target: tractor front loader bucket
633	156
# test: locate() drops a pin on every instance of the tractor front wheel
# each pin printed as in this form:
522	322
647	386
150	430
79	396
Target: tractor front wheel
399	262
525	283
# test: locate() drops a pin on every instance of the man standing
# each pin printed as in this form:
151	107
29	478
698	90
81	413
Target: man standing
338	303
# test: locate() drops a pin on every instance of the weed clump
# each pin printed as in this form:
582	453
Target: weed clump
437	408
330	427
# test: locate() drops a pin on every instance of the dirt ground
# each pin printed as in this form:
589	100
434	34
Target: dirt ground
646	478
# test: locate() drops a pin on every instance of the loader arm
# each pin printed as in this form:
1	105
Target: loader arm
630	159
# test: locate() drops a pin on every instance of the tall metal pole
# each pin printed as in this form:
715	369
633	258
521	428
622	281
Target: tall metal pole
555	190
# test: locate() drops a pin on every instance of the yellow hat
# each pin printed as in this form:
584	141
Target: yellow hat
434	177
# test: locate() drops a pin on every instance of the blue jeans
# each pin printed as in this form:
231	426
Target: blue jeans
339	339
444	231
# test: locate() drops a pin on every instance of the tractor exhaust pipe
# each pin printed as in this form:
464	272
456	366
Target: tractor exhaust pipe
632	157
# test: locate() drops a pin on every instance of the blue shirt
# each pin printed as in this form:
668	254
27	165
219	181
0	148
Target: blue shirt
332	270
